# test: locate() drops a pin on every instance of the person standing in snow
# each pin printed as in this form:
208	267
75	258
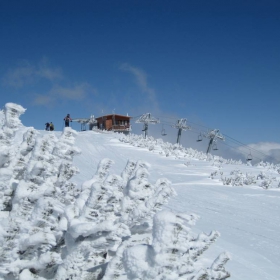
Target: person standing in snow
47	126
67	119
51	126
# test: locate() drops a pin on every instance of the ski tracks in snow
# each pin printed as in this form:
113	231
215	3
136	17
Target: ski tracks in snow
246	216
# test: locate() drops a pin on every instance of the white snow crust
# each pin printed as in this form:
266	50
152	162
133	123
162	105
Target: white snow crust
90	205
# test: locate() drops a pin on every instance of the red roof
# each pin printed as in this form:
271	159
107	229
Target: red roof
111	115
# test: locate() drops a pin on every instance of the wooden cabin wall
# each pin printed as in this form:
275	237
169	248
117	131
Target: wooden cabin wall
108	124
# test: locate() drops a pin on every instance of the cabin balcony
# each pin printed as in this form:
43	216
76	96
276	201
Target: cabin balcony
120	128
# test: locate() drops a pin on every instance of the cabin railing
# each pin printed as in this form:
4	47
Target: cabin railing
121	127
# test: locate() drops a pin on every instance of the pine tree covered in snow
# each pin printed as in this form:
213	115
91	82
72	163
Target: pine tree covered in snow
110	227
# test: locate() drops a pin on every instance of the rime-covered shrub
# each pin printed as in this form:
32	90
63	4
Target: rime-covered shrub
172	150
11	162
110	227
238	178
173	252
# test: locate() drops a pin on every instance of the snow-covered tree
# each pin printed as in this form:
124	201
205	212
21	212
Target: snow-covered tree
9	159
110	227
174	252
172	150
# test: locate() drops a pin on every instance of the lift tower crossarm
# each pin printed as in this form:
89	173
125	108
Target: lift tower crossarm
85	121
181	125
147	119
213	135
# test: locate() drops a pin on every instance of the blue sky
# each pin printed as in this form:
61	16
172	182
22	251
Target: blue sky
216	63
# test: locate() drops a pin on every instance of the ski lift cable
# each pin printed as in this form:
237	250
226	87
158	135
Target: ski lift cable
164	117
197	132
240	144
170	118
229	138
136	117
247	147
200	125
233	147
175	119
208	128
251	148
166	123
241	152
172	125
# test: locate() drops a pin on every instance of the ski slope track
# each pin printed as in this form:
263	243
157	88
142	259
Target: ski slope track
247	217
101	205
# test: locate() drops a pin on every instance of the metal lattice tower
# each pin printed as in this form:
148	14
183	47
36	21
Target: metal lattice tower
84	121
147	119
214	135
181	125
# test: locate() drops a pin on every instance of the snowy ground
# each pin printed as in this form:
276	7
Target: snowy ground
61	225
246	216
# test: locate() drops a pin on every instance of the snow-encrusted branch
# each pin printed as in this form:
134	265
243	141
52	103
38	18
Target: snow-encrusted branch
110	227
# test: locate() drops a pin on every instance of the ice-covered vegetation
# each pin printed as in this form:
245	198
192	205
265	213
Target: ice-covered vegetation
262	179
110	227
267	177
172	150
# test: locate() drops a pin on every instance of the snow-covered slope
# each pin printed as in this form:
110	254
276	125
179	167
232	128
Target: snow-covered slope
105	220
247	216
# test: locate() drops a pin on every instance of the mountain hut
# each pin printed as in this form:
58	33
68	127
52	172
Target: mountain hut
116	123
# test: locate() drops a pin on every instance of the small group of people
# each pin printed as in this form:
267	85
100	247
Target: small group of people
49	126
